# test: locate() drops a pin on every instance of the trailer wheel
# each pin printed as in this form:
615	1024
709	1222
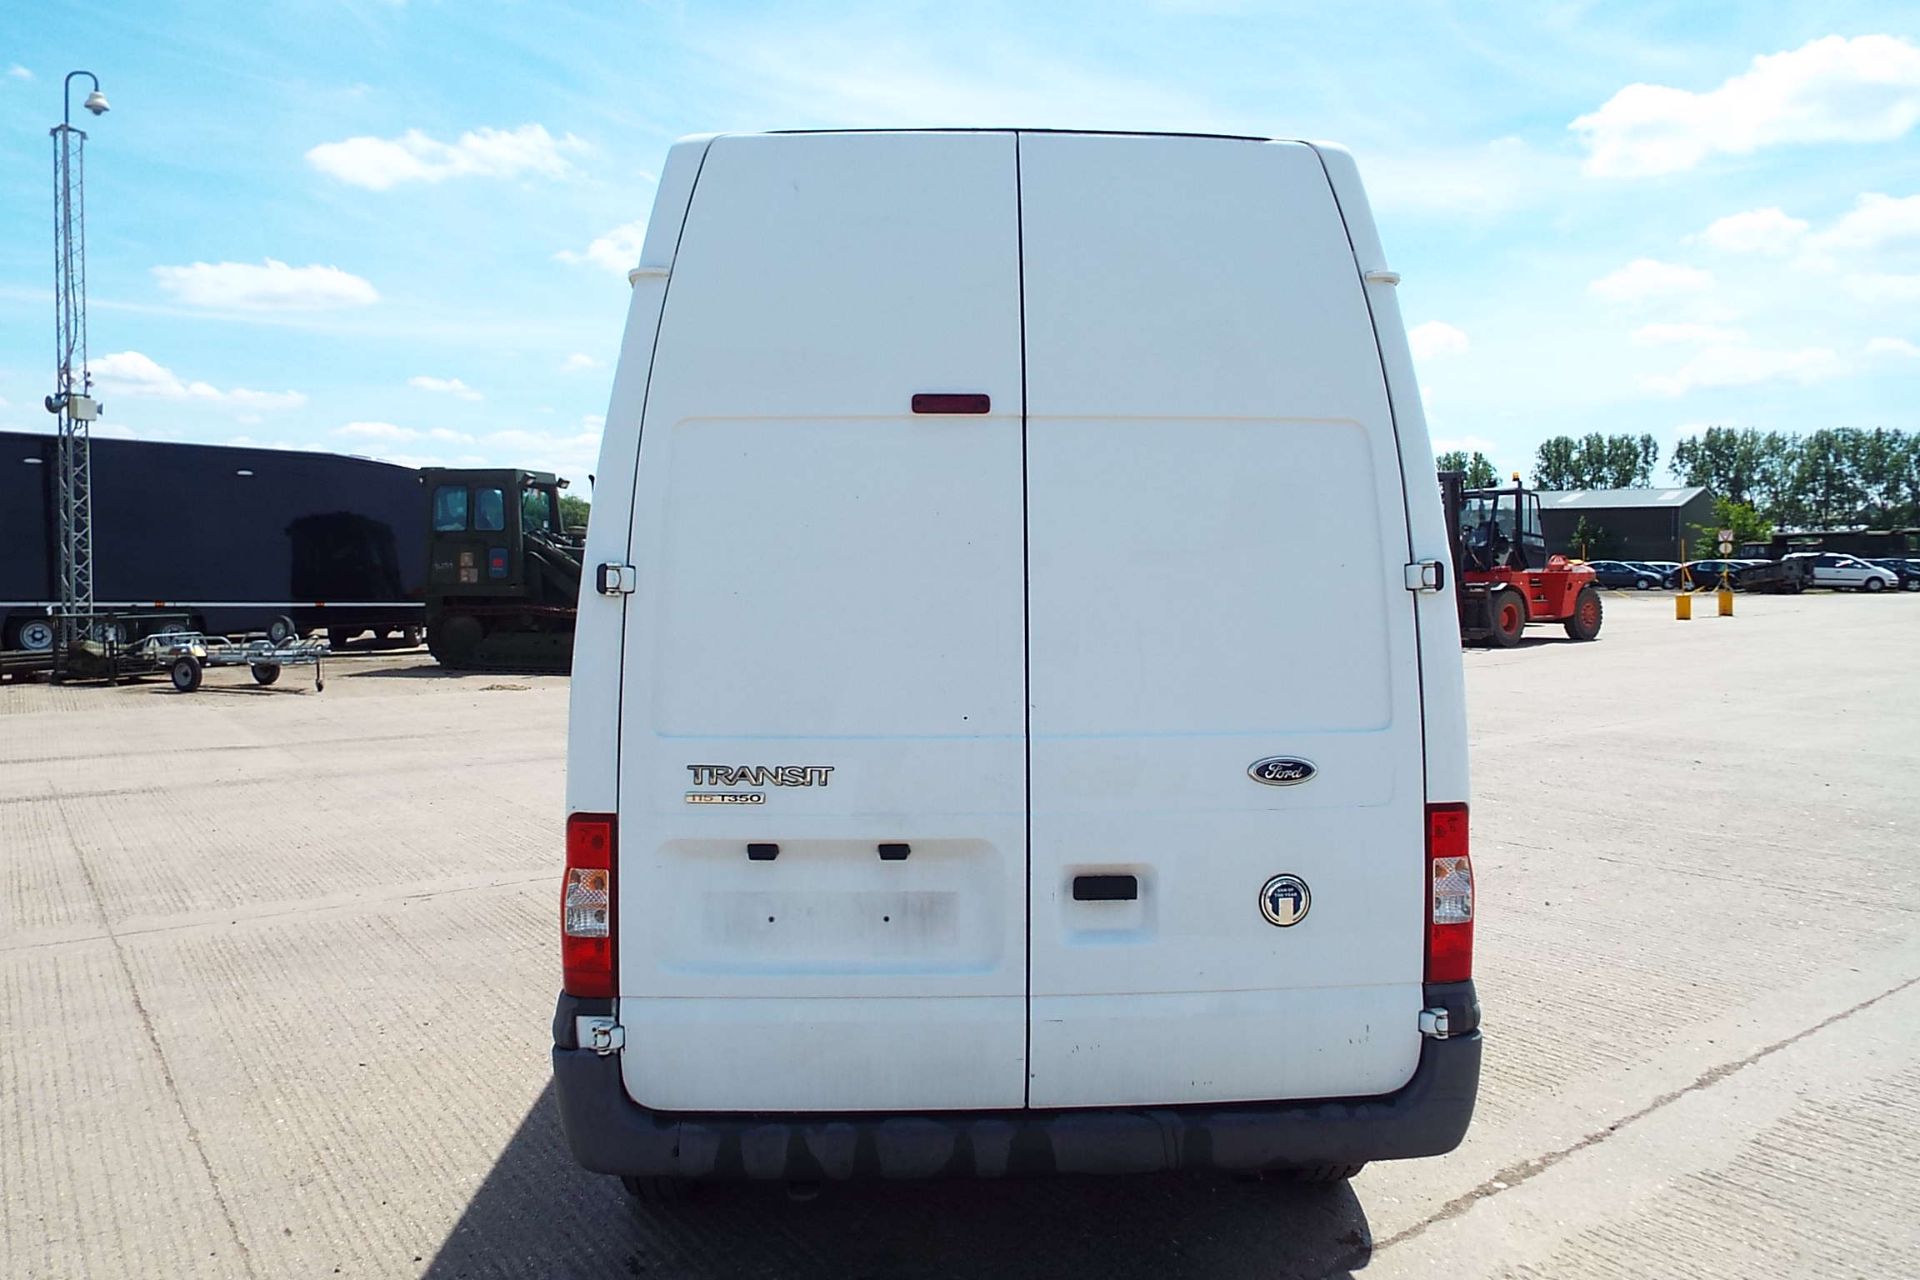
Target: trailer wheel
1584	624
35	635
186	674
266	672
281	630
1507	617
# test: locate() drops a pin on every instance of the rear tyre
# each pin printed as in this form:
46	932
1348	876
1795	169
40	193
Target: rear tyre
657	1191
456	639
1585	622
1506	617
1321	1175
266	672
186	673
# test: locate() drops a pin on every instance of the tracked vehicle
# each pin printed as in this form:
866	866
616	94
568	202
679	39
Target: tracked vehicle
503	572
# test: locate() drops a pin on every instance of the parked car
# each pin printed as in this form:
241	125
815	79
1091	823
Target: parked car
1844	572
1667	570
1908	571
1705	575
1621	573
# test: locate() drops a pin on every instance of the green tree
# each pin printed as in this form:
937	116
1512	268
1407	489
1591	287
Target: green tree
1591	541
1747	524
1477	467
1596	461
1554	465
573	511
1743	465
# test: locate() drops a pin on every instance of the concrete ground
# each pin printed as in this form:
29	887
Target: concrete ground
276	972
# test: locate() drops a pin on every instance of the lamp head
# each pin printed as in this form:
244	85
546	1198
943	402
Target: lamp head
96	102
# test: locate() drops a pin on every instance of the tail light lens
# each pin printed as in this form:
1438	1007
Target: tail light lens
1450	894
586	906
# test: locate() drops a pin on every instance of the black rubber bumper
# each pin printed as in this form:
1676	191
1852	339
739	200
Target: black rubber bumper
610	1133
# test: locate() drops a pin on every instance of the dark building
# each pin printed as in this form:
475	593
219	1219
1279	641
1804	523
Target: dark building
1640	524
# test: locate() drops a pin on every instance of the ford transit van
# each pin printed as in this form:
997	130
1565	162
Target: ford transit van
1017	715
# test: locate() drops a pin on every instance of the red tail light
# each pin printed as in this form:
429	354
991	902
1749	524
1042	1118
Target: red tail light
586	906
1449	895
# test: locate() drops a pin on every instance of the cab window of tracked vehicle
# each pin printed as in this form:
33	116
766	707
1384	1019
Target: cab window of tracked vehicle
450	509
489	510
536	510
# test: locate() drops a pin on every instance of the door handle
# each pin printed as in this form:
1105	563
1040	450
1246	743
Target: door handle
1105	888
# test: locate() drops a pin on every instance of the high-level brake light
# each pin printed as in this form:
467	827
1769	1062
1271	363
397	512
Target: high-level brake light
586	906
1450	894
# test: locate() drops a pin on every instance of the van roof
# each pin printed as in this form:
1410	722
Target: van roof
1105	133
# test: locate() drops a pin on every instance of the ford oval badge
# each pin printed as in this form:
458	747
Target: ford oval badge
1281	771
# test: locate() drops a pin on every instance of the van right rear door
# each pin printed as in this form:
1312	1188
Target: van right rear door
1216	540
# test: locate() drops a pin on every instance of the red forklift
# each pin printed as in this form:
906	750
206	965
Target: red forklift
1502	574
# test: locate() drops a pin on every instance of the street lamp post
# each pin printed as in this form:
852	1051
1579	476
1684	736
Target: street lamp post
72	400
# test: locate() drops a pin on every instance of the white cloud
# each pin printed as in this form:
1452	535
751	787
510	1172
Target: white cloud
133	373
381	163
1874	222
1769	231
376	431
18	72
1892	347
1736	365
578	362
1436	338
269	286
1488	179
854	72
1834	89
1647	278
1883	287
1656	335
450	386
617	251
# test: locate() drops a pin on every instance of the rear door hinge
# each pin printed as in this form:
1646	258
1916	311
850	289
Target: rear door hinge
604	1035
1427	575
1433	1023
615	580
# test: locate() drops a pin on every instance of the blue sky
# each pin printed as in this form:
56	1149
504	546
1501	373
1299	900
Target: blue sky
401	229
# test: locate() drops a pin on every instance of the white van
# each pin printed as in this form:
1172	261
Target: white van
1017	717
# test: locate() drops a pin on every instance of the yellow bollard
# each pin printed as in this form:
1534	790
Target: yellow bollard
1726	602
1683	606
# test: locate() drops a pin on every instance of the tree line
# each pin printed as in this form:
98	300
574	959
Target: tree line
1838	478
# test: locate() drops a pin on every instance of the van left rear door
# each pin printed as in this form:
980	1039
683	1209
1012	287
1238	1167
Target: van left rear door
822	879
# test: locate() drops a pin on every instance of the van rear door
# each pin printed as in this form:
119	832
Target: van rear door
1217	532
822	888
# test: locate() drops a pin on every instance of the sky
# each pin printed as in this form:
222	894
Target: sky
400	228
